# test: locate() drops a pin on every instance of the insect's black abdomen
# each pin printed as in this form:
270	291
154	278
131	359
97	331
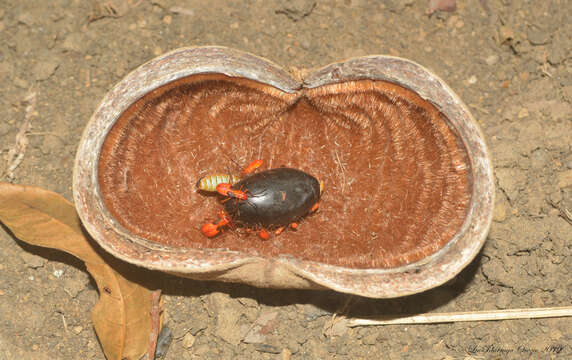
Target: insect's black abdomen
276	197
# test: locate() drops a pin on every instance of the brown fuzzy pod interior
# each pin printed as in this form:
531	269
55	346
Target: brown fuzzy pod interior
397	176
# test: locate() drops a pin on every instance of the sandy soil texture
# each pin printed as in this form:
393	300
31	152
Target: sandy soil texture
510	61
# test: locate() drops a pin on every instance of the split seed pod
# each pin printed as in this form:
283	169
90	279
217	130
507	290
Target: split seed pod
408	192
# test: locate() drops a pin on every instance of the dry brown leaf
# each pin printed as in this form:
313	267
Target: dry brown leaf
122	315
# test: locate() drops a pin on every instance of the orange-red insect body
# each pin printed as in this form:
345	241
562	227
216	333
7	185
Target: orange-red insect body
212	229
263	234
227	190
253	166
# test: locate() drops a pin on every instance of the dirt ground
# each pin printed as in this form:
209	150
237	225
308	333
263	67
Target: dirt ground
510	61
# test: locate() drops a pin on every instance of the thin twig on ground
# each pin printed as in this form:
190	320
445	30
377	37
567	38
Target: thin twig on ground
18	150
506	314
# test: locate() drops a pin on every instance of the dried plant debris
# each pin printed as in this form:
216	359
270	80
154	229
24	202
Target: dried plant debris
182	11
127	313
442	5
451	5
16	153
490	315
155	312
111	8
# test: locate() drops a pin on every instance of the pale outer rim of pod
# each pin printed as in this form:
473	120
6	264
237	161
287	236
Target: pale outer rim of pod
425	274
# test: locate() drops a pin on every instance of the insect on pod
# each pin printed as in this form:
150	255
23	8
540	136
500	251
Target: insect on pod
270	199
411	187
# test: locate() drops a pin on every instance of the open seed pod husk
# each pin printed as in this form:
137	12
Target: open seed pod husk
408	187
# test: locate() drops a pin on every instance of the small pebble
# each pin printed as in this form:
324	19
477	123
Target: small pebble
501	209
75	42
188	340
564	179
492	59
555	334
26	18
472	80
567	92
506	33
201	349
4	128
51	144
73	286
58	273
559	50
452	21
21	83
45	68
182	11
538	37
33	261
164	341
305	44
503	300
267	348
523	113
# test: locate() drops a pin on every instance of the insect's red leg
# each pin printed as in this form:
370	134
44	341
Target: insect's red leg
223	188
238	194
251	167
222	222
315	207
279	230
263	234
294	225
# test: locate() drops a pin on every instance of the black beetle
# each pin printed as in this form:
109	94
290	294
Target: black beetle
269	199
275	197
